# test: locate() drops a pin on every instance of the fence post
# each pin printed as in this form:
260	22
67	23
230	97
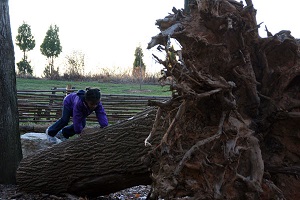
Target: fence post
51	101
68	89
53	92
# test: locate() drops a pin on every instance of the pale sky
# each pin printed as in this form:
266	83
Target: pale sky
108	32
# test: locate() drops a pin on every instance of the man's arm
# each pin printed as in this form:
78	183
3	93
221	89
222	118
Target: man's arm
101	116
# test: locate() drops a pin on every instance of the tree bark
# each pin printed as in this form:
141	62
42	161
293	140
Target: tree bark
103	161
10	148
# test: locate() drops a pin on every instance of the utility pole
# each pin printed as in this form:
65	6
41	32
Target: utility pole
141	74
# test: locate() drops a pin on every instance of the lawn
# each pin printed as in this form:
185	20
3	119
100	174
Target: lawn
106	88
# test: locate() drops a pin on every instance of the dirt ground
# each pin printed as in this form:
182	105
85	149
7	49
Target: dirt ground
12	192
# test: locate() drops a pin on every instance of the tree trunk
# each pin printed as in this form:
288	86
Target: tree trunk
10	148
103	161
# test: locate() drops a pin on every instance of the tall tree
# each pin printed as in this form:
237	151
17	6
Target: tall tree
51	48
139	66
26	42
10	145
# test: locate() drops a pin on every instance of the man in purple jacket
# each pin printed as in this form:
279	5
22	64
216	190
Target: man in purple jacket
78	105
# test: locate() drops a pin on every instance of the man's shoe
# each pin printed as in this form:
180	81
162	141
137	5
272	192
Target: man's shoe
60	136
51	139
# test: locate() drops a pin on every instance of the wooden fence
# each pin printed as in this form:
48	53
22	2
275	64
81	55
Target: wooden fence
45	106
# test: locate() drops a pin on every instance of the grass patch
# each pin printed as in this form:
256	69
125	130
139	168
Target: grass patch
106	88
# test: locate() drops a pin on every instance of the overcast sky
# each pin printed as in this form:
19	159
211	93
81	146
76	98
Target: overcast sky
108	32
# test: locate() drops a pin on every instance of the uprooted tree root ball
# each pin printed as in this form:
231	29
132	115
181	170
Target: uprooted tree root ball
231	90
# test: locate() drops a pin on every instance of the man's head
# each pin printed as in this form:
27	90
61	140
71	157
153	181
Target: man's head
92	97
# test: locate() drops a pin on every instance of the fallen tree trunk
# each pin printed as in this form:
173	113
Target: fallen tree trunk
103	161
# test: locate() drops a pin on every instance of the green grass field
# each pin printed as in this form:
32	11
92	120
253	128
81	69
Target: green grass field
106	88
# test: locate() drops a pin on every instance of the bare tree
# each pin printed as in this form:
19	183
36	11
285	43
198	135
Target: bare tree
74	66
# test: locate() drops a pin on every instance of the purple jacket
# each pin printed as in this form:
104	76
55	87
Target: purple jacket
75	103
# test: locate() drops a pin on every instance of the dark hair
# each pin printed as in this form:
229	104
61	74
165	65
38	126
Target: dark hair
92	95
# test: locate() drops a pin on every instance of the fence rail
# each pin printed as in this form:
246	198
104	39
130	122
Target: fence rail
46	105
